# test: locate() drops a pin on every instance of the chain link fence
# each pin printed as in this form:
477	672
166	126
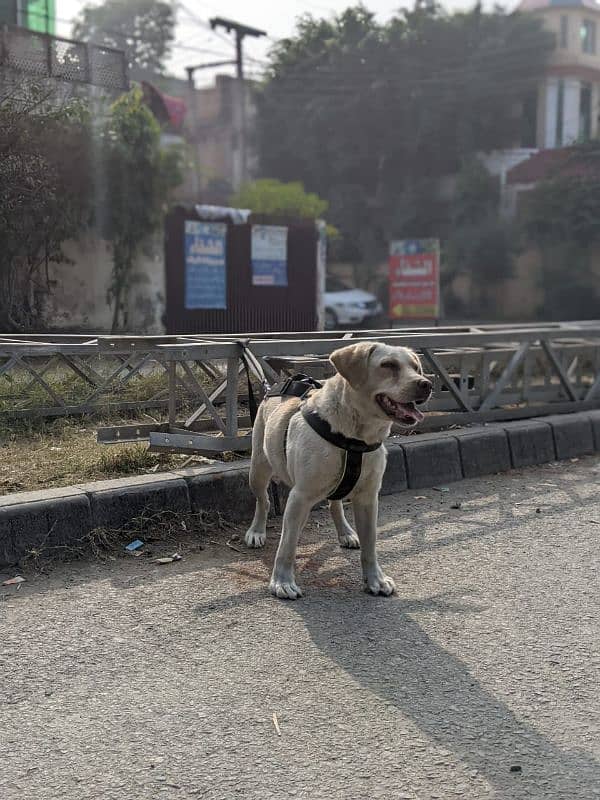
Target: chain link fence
46	56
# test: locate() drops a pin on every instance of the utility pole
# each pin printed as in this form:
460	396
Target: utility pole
240	31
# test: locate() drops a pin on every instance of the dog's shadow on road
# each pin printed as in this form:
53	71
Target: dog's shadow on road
388	652
382	646
378	642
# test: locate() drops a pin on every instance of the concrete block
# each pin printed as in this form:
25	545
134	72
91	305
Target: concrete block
116	503
594	417
573	434
394	477
432	462
483	451
530	442
227	493
47	525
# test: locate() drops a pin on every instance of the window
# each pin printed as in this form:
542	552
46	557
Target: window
588	36
585	112
560	102
529	120
564	31
335	285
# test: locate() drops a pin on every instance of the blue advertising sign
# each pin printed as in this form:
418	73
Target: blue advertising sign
269	255
205	269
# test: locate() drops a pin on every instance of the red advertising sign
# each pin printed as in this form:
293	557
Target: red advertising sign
414	274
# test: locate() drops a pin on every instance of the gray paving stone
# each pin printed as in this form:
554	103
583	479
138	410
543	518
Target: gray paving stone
227	493
530	443
394	478
115	503
432	462
573	434
483	451
594	417
45	525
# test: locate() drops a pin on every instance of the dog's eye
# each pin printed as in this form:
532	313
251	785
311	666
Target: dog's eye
390	365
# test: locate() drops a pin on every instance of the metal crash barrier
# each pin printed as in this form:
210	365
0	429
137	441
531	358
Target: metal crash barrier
189	393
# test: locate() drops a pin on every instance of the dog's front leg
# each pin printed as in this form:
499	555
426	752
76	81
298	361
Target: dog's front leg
365	517
283	581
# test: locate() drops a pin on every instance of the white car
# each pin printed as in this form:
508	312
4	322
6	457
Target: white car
345	306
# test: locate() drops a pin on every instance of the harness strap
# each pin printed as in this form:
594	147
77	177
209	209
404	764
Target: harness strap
248	359
353	452
298	385
323	428
350	475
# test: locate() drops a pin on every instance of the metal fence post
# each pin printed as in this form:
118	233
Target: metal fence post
172	392
231	396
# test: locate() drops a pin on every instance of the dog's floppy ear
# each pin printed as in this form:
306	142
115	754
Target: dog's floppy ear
351	362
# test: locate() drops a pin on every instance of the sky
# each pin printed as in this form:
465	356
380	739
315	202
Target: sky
196	43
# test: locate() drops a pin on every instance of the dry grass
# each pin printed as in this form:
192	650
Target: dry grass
40	454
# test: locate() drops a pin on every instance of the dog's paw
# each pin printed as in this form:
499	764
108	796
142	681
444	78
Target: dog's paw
349	540
285	589
255	538
379	584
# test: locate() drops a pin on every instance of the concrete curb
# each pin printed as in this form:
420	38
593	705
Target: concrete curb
65	516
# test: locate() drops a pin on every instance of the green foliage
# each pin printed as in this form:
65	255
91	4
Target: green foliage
565	209
45	158
139	176
370	116
144	29
479	242
563	220
53	166
268	196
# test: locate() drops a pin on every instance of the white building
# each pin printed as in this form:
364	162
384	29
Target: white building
568	100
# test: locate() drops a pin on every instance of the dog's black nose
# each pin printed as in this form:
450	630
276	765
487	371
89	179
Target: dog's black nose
424	387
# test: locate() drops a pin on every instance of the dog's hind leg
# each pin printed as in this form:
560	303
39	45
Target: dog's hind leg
346	535
260	475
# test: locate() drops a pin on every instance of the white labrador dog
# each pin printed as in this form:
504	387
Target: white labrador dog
375	385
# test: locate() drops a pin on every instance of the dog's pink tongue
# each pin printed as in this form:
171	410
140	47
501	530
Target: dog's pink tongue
413	411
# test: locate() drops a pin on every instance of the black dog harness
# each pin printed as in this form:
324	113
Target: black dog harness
300	386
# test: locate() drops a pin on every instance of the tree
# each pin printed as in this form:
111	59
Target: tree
268	196
45	191
479	242
139	176
370	116
144	29
563	219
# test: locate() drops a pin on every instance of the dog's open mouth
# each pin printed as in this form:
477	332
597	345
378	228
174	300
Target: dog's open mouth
406	413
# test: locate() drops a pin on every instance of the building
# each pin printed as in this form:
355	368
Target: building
568	99
207	119
36	15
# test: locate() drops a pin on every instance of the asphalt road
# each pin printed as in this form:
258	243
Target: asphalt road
127	680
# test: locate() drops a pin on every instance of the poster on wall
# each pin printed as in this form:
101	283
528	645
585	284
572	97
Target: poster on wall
205	267
414	276
269	255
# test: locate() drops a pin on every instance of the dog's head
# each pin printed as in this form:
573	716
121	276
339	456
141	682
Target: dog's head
389	379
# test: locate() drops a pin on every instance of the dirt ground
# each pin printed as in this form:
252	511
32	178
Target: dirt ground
44	454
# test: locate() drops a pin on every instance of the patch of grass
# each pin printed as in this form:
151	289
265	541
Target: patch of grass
128	460
39	455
